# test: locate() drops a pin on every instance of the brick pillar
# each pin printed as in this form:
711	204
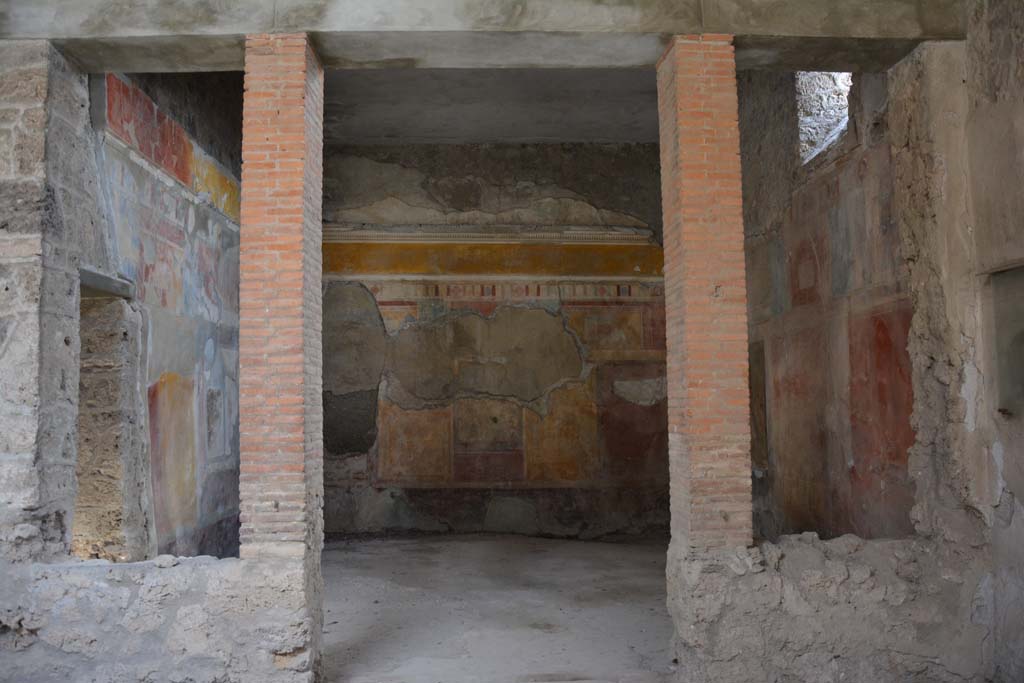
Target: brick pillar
281	414
705	294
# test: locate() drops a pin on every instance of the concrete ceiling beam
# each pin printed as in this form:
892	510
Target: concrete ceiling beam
197	35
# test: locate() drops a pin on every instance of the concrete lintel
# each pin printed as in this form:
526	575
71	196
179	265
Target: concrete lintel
820	54
466	50
156	54
196	35
844	19
96	285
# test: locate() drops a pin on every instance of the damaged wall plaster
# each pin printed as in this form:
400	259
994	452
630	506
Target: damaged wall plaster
581	185
522	407
174	233
512	400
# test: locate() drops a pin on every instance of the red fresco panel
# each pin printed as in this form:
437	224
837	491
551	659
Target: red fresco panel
881	403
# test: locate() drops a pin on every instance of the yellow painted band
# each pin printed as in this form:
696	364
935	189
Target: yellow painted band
562	260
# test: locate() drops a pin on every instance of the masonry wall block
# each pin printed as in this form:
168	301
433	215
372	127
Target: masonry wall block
112	519
100	177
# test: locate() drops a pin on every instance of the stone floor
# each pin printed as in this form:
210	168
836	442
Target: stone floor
495	609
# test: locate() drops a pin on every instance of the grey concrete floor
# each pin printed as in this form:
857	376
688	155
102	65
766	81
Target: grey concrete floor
495	609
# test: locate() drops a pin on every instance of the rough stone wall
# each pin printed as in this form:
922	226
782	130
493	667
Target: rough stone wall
829	318
846	609
112	519
995	133
165	620
823	104
38	382
494	389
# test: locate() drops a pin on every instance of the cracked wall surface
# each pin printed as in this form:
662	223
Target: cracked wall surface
513	186
512	406
472	379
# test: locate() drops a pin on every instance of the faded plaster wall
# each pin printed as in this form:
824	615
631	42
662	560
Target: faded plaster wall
829	319
517	400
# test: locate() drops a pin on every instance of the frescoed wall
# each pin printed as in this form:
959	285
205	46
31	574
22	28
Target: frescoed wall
830	316
494	343
173	210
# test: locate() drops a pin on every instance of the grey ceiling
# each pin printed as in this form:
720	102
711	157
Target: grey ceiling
391	106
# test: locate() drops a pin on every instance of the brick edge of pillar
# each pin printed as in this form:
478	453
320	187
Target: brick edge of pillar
705	283
280	301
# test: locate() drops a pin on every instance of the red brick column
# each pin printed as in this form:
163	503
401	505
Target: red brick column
281	413
705	294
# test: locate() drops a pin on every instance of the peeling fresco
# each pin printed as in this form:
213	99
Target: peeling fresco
524	386
508	185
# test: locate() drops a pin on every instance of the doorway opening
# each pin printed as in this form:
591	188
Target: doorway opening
495	413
